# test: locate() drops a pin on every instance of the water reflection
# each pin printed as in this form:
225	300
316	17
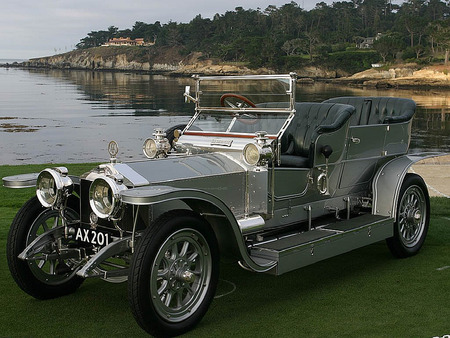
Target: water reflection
139	94
74	114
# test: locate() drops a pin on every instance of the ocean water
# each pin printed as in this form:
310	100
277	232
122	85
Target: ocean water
54	116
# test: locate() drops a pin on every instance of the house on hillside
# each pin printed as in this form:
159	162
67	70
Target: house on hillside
366	43
127	42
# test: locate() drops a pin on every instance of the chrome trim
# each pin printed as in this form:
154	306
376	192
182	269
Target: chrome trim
116	203
291	78
240	110
247	77
135	178
251	224
40	242
63	184
20	181
115	248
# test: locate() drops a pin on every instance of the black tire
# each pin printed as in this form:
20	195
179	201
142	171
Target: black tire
174	273
413	218
169	133
40	279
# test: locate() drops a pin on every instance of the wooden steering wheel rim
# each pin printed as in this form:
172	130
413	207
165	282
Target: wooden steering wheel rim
237	96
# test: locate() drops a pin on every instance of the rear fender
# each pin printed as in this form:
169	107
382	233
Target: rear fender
388	181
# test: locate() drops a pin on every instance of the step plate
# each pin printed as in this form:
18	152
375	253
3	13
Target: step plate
299	250
355	223
296	240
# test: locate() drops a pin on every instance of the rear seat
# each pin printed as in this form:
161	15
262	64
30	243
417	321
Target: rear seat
378	110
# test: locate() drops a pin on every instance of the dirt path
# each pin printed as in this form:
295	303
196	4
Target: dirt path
436	173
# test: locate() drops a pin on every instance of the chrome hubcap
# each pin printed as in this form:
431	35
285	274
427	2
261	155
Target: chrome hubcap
412	216
181	275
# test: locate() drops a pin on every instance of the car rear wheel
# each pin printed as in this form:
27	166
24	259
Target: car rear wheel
41	277
174	273
413	218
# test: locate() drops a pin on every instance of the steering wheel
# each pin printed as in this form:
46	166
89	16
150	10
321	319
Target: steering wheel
240	102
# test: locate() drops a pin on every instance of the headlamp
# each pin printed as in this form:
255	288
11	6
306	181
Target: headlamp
104	197
53	186
259	153
158	146
251	154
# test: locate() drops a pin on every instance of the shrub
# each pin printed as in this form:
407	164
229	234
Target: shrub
352	61
292	62
409	54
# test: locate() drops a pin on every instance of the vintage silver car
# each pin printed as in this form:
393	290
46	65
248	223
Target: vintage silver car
274	183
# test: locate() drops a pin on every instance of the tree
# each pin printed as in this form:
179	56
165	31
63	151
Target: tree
412	18
443	37
311	43
419	50
389	44
259	37
290	46
97	38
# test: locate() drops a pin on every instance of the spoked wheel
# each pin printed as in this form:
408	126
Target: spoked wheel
174	274
41	277
413	217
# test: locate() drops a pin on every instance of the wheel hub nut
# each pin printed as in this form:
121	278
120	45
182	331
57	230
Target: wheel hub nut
417	215
188	276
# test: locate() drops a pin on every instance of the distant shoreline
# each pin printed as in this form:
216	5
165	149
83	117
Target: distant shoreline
408	76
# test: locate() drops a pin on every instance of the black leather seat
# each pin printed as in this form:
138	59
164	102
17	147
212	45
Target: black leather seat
378	110
311	120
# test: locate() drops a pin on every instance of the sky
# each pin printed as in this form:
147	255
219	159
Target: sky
35	28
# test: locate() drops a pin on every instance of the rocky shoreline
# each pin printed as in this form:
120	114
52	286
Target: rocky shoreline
169	61
159	60
401	77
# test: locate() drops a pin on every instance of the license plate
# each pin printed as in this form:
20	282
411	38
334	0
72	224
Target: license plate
92	236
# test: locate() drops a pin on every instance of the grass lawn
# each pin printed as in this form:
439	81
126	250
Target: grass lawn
366	292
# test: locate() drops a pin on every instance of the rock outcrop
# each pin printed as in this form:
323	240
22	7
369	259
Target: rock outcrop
113	58
405	76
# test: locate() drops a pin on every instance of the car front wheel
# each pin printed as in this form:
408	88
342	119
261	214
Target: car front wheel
40	276
413	217
174	273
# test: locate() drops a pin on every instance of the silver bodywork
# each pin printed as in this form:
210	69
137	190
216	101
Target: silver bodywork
270	217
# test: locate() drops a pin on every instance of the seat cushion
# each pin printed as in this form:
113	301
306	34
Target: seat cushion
311	119
378	110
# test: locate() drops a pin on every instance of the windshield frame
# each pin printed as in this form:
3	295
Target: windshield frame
288	111
290	79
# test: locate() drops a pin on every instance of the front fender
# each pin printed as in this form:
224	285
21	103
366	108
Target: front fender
150	195
388	181
30	180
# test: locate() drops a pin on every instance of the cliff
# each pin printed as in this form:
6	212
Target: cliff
167	60
113	58
146	59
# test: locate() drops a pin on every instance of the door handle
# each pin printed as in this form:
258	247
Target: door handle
355	140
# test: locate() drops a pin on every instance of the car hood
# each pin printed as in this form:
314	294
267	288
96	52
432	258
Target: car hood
177	168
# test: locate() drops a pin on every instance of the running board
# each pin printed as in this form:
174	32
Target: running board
297	250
